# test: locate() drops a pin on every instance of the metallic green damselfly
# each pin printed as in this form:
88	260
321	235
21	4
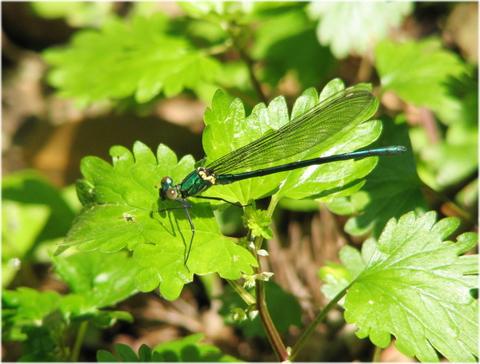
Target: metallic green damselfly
344	109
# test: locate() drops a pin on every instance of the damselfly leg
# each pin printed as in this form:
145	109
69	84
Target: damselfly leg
221	199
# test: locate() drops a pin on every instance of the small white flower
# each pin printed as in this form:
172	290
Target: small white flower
264	276
252	314
262	252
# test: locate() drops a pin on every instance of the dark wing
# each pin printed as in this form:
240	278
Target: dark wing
346	108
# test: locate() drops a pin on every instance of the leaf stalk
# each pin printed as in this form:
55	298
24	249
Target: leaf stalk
79	341
234	30
377	352
319	318
270	329
242	292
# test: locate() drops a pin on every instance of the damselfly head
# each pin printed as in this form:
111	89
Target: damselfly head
167	190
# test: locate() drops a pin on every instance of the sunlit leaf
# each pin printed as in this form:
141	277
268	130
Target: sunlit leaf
124	211
229	129
415	285
123	59
418	72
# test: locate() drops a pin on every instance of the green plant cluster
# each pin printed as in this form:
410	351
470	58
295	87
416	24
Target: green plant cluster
412	280
188	349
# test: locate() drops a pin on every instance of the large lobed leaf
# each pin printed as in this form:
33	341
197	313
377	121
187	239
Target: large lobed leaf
419	72
124	59
123	211
227	129
415	285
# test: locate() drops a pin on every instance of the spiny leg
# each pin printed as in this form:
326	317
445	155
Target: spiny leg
186	206
221	199
170	209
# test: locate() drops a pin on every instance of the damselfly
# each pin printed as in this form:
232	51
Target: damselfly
344	109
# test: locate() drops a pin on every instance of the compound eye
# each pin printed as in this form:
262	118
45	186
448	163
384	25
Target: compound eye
166	180
172	194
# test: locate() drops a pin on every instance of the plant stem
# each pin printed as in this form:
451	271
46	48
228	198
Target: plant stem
233	30
219	48
242	292
376	354
319	318
79	341
270	329
364	70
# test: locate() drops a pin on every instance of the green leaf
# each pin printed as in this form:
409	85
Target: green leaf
124	59
227	129
299	205
258	221
332	178
104	279
414	285
462	105
190	349
144	353
443	163
124	212
21	225
187	349
283	307
354	28
126	353
105	356
43	321
26	306
105	319
29	188
448	158
392	189
335	276
418	71
46	343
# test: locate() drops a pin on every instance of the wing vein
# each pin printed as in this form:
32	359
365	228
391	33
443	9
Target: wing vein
345	109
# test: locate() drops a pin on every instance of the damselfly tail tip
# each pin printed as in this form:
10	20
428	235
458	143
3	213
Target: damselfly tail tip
395	149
